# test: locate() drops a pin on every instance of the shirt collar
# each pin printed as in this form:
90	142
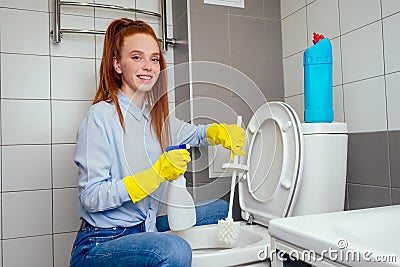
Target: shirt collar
128	106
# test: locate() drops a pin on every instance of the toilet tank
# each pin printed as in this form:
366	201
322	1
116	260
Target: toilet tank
323	182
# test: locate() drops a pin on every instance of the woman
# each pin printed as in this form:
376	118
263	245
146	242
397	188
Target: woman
122	167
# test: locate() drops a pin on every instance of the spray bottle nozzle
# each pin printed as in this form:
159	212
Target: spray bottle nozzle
317	37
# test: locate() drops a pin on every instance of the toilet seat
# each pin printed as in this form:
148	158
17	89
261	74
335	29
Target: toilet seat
280	162
275	158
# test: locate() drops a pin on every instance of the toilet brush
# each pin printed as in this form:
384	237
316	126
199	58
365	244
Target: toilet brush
228	230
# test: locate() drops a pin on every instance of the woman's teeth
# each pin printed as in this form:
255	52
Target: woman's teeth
144	77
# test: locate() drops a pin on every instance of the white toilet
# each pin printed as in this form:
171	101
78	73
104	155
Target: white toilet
291	168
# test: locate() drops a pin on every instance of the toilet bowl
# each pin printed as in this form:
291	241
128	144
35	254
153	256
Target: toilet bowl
291	168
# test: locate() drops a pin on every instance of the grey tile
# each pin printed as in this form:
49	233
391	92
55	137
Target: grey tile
213	108
179	8
247	36
266	73
180	30
273	39
181	56
253	8
210	90
181	78
394	156
364	196
395	196
182	102
242	108
368	162
212	189
272	9
346	198
209	33
218	58
198	5
212	73
202	174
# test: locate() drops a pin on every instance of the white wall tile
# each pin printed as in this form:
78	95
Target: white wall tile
25	76
321	21
358	13
293	75
73	44
66	118
393	96
113	14
150	5
362	53
39	5
65	172
26	213
338	109
73	78
25	121
169	12
297	103
290	6
365	105
87	11
337	62
101	24
294	33
33	251
169	54
171	107
29	35
390	7
26	167
62	248
66	216
156	28
391	43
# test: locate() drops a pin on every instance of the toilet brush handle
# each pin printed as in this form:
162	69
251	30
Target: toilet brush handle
233	181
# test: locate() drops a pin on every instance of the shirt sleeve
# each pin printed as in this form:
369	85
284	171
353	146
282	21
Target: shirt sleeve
187	133
98	191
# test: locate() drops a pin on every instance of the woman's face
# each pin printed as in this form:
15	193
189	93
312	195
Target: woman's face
139	65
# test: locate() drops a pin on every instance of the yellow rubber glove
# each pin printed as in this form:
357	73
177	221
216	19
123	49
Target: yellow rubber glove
230	136
168	167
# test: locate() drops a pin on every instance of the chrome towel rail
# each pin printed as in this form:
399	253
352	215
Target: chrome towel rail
57	32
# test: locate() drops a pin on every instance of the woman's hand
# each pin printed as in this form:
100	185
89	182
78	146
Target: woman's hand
230	136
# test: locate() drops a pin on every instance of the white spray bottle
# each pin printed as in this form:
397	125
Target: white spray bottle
180	205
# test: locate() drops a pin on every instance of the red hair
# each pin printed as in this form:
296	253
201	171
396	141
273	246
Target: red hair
111	81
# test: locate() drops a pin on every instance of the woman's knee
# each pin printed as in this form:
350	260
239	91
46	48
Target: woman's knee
177	251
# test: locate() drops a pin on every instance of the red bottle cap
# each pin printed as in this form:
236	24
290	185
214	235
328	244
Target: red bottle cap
317	37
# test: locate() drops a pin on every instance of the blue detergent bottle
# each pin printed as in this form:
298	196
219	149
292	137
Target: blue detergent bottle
318	81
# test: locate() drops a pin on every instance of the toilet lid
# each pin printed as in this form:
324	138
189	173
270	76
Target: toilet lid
274	148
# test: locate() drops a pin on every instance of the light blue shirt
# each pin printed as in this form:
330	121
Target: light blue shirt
105	154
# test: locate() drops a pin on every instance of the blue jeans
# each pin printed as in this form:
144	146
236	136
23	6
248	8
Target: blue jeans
132	246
